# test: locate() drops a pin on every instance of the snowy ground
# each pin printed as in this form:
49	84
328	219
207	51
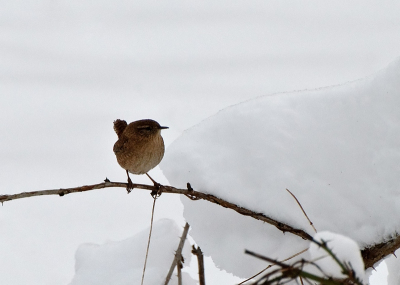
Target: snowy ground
69	68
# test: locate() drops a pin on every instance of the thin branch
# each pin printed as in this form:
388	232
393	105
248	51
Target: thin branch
265	258
377	252
192	194
178	253
65	191
269	266
200	260
301	207
291	272
179	269
371	254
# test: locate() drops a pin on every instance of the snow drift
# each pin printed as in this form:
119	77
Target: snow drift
337	149
121	263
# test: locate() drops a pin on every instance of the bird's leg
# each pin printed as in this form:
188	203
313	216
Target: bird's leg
129	187
157	185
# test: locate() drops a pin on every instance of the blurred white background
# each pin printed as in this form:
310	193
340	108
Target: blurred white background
69	68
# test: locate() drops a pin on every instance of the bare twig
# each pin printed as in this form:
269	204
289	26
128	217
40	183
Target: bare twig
200	260
301	207
374	253
178	254
269	266
61	192
179	269
273	261
371	254
291	272
165	189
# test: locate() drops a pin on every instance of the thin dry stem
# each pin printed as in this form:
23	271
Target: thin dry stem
269	266
148	242
301	207
178	254
200	260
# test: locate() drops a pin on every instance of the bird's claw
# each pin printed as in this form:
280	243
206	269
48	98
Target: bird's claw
157	191
130	186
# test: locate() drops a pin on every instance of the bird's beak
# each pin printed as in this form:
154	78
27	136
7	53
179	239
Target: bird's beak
163	127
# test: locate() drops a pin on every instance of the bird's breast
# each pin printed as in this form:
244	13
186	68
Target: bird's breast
139	157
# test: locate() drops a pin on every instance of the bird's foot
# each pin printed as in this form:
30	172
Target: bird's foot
130	186
158	191
158	188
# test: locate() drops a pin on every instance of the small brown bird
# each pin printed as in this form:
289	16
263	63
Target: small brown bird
139	148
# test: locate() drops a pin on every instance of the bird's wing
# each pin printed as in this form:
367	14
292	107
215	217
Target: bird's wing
120	145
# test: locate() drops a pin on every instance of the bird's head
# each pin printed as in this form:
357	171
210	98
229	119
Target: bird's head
147	127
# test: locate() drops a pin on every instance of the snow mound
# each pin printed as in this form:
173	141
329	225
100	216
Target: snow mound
121	262
344	248
337	149
393	266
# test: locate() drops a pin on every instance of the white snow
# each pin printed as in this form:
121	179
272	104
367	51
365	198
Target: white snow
337	149
393	267
121	262
377	275
345	250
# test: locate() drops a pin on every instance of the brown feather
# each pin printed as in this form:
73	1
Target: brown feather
119	127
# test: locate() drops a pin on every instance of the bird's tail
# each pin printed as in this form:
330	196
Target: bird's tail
119	127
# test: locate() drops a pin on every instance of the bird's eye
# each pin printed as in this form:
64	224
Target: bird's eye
147	128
